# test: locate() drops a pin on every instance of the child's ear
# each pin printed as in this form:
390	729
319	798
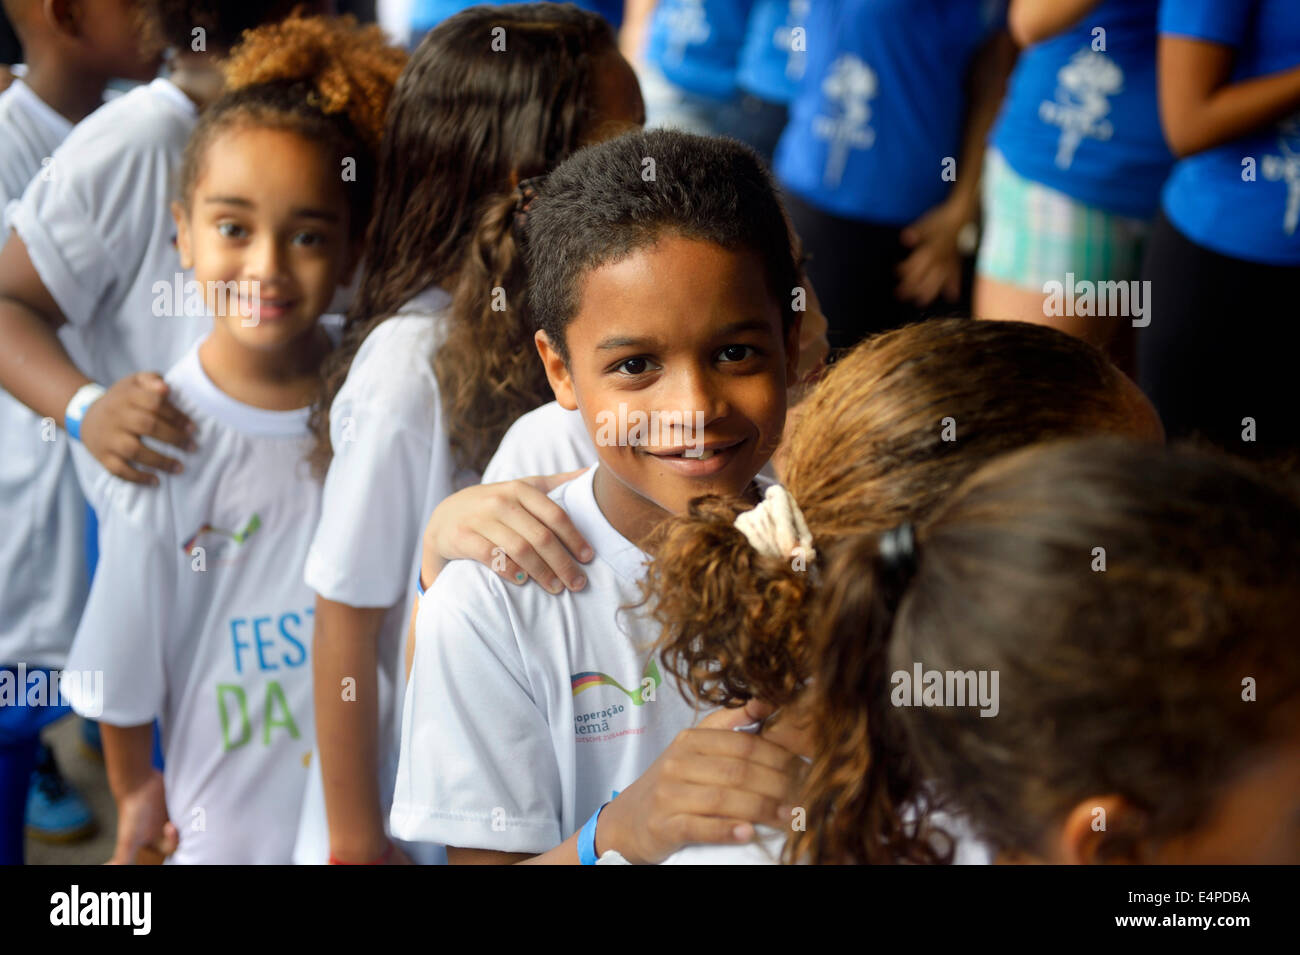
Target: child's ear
64	16
557	372
182	220
1104	829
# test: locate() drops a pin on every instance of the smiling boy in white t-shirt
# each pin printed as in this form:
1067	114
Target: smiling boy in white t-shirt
539	726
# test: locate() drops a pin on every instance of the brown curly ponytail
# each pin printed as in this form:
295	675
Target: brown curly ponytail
890	430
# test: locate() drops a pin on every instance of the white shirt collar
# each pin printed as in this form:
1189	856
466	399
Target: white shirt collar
626	558
260	422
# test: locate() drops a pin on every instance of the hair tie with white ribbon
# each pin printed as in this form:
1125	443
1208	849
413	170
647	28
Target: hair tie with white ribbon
776	526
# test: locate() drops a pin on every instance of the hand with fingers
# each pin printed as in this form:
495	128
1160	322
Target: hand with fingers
711	785
134	408
144	833
933	267
512	527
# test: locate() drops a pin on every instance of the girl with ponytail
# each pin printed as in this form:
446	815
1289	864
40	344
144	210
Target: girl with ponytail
893	427
437	361
1138	607
198	616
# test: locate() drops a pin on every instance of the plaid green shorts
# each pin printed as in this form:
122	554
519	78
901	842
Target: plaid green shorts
1034	234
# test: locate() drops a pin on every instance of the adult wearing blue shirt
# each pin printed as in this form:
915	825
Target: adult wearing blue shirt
688	66
1224	259
1073	173
880	159
773	60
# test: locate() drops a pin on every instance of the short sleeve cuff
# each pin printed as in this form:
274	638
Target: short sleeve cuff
52	257
499	833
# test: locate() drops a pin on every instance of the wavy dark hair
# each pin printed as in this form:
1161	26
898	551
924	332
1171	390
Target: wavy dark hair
466	123
1123	681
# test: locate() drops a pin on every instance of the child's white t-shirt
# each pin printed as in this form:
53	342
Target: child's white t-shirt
527	711
547	440
392	466
100	234
42	565
32	131
198	616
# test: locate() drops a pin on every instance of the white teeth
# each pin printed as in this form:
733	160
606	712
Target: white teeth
702	454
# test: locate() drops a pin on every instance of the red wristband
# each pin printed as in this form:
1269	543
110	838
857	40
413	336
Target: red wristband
383	858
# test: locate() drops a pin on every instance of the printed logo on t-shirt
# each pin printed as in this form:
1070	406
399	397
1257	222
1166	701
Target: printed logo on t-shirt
272	647
603	724
220	544
1286	168
687	24
1082	102
849	86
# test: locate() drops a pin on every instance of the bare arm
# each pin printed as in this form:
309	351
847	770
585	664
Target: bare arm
1033	21
344	648
34	366
144	832
934	265
636	20
35	369
1200	109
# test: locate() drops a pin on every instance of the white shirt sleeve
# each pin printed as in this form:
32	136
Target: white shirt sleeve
130	610
477	767
84	221
369	529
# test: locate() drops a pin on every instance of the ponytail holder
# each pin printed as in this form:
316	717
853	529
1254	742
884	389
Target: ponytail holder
776	528
898	550
525	193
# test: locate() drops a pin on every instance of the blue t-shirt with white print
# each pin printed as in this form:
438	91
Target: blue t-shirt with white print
1081	113
882	105
1242	198
427	14
696	44
774	55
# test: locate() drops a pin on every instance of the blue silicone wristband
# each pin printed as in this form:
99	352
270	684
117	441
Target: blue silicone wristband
587	839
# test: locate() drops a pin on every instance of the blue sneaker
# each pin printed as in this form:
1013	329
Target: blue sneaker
55	811
92	747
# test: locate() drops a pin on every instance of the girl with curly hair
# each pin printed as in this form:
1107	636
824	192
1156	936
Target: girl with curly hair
198	616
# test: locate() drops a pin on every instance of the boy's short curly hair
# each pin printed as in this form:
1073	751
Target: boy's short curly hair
608	200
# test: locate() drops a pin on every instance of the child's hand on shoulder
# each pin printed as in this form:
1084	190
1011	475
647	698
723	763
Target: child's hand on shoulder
512	527
133	407
142	823
711	785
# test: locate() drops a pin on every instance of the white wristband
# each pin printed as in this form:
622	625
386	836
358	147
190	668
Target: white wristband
86	396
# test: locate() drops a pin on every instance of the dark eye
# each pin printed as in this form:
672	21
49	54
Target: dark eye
230	230
633	366
736	352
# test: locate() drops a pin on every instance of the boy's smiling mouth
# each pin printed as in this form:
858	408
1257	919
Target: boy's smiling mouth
699	460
